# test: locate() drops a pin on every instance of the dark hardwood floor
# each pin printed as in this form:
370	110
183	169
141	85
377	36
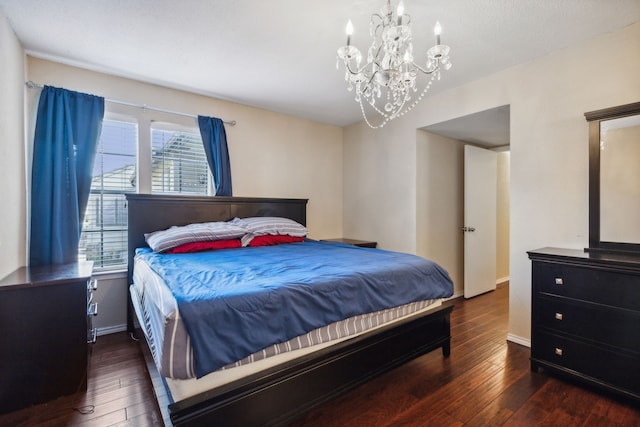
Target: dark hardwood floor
485	382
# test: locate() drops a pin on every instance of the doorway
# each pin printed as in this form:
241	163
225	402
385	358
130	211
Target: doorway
440	190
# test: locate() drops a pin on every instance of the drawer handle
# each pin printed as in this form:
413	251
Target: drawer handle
559	316
558	351
559	281
92	335
92	285
93	309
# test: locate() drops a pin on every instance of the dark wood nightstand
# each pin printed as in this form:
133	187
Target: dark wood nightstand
45	316
354	242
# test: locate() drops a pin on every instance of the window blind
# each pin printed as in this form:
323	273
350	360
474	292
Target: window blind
178	163
104	232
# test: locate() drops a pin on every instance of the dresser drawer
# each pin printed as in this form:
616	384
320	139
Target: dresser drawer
595	322
616	369
588	284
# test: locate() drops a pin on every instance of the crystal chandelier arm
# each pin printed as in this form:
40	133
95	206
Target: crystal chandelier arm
376	29
358	71
373	75
361	71
435	68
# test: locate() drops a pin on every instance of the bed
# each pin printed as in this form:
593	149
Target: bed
278	389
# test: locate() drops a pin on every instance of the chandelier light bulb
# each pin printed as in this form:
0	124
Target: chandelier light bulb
437	30
400	12
349	31
349	28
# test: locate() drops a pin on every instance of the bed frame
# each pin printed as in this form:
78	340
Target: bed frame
287	391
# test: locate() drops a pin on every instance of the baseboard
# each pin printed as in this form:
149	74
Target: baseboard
455	295
111	329
519	340
502	281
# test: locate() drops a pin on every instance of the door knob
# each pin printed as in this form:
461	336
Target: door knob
468	229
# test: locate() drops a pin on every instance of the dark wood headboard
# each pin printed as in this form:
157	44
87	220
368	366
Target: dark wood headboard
151	212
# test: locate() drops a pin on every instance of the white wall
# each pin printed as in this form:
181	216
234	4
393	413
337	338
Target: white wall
549	153
272	155
13	237
379	185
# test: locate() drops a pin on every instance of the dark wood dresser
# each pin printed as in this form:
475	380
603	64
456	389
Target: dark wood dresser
45	326
585	318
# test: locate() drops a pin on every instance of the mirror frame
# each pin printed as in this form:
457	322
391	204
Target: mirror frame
594	118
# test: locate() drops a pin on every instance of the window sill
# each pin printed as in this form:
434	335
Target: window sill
110	274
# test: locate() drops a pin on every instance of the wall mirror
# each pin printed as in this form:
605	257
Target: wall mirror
614	179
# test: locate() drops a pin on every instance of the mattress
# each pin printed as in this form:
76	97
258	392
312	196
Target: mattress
181	388
170	344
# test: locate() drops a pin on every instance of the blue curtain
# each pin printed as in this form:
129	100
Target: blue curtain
68	126
214	139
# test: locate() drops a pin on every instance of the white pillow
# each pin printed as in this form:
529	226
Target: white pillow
268	225
161	241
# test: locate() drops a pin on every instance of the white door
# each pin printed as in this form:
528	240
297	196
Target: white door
480	186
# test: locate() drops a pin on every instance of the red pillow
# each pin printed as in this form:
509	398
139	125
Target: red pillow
274	239
205	246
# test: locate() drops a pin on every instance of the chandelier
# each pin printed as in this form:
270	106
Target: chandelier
388	81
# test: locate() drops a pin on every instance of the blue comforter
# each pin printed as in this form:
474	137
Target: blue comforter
235	302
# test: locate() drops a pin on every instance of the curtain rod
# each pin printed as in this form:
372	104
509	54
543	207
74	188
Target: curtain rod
32	85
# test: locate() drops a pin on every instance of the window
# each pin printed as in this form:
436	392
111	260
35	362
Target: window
178	162
104	232
178	165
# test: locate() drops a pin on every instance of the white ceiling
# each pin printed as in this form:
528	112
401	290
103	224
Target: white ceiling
281	54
